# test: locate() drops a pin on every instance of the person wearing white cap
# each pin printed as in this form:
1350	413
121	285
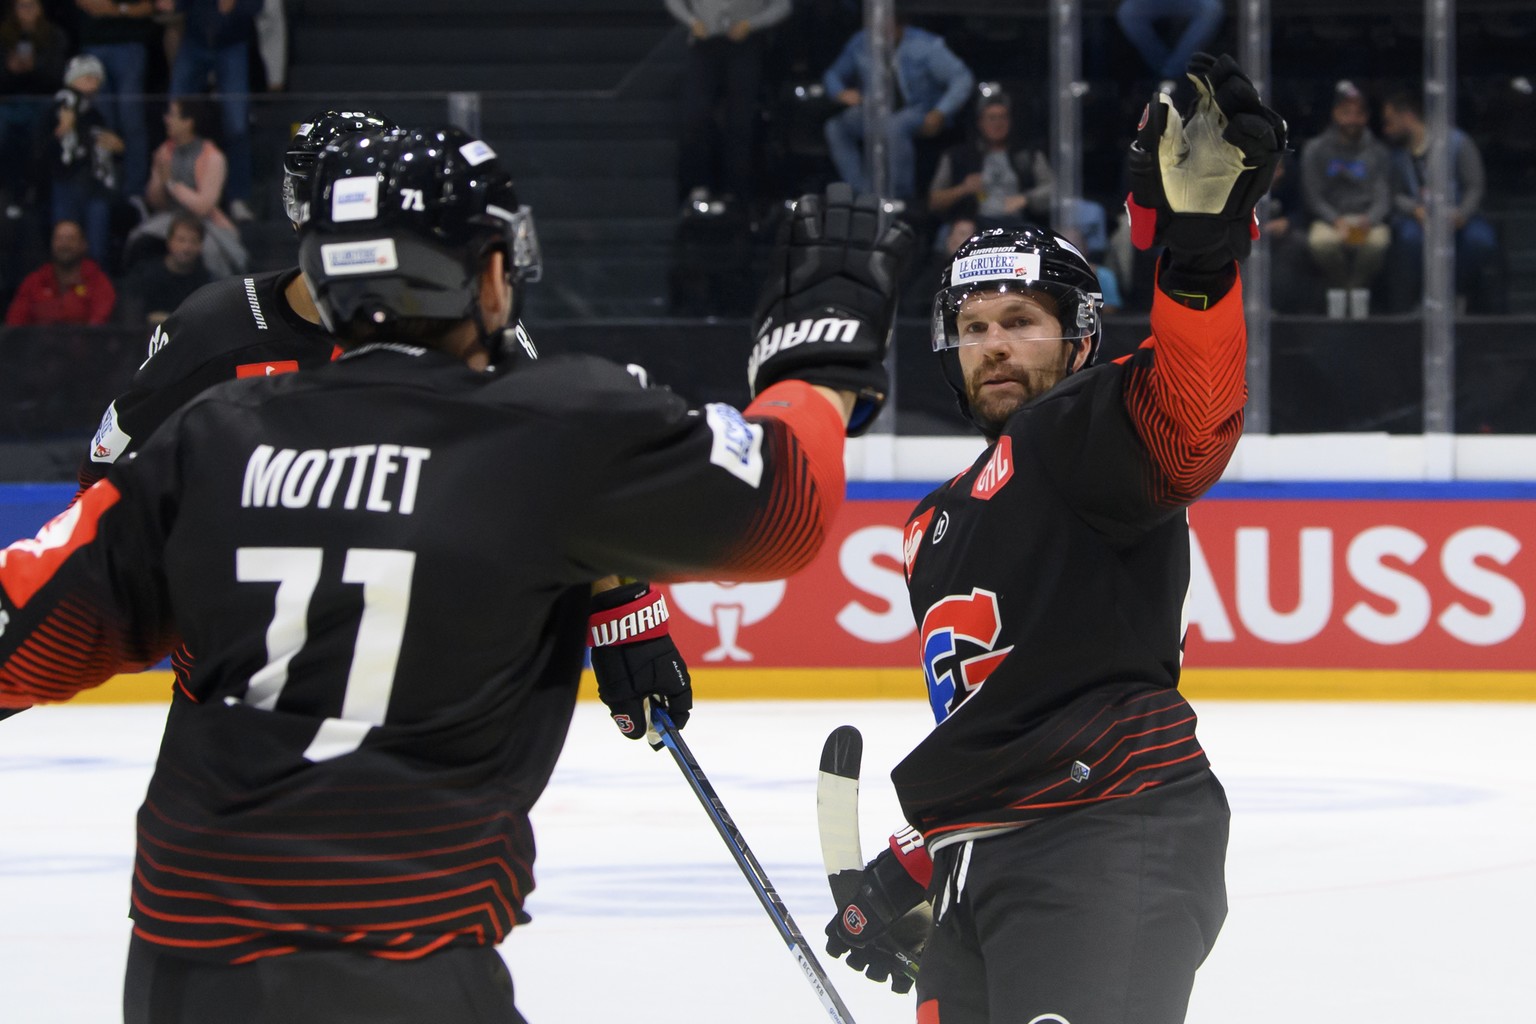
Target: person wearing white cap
120	34
84	155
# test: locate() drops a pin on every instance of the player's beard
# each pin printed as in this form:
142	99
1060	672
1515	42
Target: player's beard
991	408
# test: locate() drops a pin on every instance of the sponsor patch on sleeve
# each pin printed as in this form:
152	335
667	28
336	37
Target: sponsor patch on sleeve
738	445
369	257
355	199
110	440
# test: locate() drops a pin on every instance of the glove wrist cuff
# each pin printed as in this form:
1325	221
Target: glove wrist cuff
894	889
907	846
1198	284
639	617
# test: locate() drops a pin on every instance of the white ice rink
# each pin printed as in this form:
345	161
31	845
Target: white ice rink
1382	867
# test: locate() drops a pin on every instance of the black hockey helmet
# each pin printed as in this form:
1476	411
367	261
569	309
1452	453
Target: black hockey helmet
1026	259
313	134
400	224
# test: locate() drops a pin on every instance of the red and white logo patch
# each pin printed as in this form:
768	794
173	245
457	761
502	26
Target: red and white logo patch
625	723
267	369
997	472
912	539
853	920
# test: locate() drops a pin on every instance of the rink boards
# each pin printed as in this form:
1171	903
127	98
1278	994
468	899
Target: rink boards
1304	591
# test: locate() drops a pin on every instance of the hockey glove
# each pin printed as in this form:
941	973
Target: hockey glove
634	658
1194	182
885	924
828	306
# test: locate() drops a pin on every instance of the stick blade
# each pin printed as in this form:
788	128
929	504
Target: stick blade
837	811
843	752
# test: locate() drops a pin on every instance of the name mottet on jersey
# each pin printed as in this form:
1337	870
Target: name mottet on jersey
289	478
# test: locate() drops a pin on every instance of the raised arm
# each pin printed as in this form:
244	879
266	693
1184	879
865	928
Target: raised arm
1194	187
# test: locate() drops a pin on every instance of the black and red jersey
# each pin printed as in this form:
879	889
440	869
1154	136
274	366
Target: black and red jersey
234	327
381	569
1049	581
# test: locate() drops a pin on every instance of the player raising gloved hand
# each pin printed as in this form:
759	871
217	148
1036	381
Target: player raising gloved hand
634	658
826	312
1194	181
884	922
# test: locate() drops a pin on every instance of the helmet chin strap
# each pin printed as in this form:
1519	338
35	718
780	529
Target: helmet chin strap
1086	344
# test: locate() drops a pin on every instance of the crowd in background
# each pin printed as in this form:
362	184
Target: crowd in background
129	122
87	174
969	147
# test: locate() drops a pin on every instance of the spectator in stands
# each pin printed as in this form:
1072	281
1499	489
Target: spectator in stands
1281	222
156	287
992	180
32	54
119	35
187	175
930	85
1477	244
1345	184
69	289
1200	20
724	66
83	156
215	45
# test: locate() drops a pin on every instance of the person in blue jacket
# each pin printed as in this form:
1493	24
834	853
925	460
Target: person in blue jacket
930	85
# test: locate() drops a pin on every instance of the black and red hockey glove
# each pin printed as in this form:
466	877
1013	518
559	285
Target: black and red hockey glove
884	927
634	658
829	303
1195	181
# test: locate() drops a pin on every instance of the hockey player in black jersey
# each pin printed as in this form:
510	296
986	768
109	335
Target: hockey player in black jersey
252	325
1067	832
383	565
266	324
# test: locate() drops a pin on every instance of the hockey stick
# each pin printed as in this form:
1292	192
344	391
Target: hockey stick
837	819
661	724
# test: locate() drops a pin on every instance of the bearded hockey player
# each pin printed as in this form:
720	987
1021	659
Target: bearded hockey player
1067	829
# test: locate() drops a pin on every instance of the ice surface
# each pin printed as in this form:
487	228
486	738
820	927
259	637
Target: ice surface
1382	867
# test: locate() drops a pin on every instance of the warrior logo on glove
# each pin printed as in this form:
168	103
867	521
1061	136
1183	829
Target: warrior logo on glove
634	658
825	315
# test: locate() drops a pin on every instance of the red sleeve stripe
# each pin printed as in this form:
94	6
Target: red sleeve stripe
818	428
1185	393
73	649
805	444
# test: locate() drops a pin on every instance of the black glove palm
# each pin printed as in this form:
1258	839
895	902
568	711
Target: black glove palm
1194	182
826	311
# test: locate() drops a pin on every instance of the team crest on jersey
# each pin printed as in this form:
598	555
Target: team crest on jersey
997	472
959	635
912	539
